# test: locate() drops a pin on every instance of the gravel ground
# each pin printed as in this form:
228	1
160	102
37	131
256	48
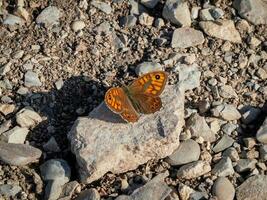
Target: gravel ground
58	59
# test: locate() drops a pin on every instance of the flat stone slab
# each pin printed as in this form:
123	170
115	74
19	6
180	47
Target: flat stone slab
103	142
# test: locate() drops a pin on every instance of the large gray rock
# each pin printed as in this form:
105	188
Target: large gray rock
254	11
177	12
103	142
254	188
190	37
222	29
18	154
148	190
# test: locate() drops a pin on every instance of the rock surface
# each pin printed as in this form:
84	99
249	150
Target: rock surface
190	37
189	76
177	12
193	170
56	172
27	117
103	138
223	189
223	144
148	190
254	11
146	67
223	29
262	133
187	152
224	167
198	127
15	135
18	154
254	188
49	16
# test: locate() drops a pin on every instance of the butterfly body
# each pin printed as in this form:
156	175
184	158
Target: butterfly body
142	96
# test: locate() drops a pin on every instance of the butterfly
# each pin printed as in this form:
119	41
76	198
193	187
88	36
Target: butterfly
140	97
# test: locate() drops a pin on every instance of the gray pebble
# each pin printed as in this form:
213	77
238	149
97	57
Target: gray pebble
177	12
224	167
9	190
231	153
262	132
193	170
56	172
191	37
13	20
188	151
245	165
59	84
31	79
89	194
104	7
263	152
51	145
223	189
15	135
149	3
250	114
128	21
18	154
77	25
229	128
49	16
223	144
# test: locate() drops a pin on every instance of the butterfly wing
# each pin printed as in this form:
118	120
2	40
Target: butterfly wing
146	104
118	102
151	84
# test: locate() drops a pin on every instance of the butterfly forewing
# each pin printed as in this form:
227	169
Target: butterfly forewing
118	102
150	84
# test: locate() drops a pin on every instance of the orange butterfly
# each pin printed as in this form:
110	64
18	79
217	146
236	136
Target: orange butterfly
142	96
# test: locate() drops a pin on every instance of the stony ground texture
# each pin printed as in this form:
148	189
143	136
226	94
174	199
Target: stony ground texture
58	58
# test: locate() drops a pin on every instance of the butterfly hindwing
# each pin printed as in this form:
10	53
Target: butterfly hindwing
114	99
147	104
119	103
151	83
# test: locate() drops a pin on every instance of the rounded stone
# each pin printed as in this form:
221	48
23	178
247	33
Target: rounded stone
187	152
223	189
77	25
